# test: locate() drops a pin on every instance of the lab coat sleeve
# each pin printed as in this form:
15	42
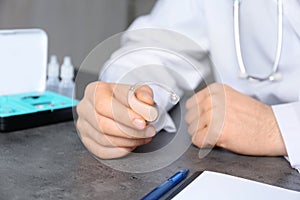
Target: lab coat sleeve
168	46
288	119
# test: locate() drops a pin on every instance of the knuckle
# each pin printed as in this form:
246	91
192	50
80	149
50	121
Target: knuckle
101	85
84	141
134	143
80	108
100	106
215	88
101	89
101	124
212	86
215	85
226	87
196	141
106	140
103	104
80	126
191	130
99	153
101	139
187	119
197	96
90	88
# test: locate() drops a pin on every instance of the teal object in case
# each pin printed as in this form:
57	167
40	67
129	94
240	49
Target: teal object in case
28	110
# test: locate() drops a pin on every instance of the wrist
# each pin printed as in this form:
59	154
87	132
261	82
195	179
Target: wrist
276	142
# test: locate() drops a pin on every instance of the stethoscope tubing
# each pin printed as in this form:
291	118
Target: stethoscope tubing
274	75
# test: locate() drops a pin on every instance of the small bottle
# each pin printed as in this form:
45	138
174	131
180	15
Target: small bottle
66	85
53	74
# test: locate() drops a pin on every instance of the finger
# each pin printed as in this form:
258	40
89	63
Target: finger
126	96
148	112
197	98
91	91
97	90
192	115
113	128
109	126
110	100
199	139
139	100
120	92
112	141
199	123
105	152
206	137
198	110
82	107
211	90
111	108
145	94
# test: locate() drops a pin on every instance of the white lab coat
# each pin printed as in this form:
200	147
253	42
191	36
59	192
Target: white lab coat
209	23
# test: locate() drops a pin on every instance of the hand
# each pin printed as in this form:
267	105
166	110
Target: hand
219	115
108	126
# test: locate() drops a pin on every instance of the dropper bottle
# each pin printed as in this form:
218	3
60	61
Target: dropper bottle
66	85
53	74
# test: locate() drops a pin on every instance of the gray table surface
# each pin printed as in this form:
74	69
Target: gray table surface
50	163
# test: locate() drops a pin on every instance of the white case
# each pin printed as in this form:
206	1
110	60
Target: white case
23	61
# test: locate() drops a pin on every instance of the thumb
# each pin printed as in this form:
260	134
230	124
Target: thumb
142	102
145	95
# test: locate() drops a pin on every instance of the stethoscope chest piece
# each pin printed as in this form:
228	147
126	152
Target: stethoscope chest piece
274	77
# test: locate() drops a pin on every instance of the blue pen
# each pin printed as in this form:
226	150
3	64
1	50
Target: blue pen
167	185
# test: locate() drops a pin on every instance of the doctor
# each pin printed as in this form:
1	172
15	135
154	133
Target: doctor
252	109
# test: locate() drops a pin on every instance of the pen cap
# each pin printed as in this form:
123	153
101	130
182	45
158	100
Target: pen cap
180	175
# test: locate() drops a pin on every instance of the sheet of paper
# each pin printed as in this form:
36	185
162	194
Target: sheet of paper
212	185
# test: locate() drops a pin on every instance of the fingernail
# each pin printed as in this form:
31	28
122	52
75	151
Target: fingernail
139	123
148	96
150	132
153	114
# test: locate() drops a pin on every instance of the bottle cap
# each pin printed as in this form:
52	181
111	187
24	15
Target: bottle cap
53	67
67	69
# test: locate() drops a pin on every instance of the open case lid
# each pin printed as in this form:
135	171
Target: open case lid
23	61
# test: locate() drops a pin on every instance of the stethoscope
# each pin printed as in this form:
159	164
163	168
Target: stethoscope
274	75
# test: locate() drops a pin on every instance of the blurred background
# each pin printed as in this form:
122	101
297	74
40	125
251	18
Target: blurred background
74	27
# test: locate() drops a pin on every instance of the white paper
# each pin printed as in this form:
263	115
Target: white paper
216	186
